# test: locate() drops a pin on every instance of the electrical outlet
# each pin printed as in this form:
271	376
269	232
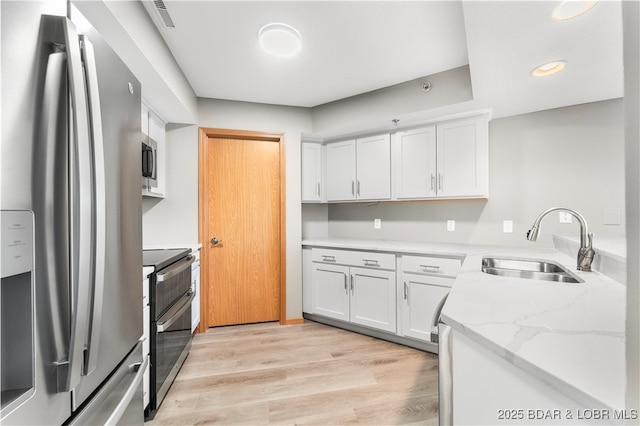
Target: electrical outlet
564	217
377	223
451	225
507	226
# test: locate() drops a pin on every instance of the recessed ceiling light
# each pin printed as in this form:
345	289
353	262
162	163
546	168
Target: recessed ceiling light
571	9
280	40
548	68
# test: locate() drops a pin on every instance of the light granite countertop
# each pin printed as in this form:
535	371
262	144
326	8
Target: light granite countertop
571	336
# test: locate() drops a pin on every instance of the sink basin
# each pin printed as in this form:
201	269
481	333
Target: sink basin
528	268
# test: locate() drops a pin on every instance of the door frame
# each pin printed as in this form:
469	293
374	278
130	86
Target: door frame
203	215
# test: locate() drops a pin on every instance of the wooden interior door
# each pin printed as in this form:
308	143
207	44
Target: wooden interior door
241	227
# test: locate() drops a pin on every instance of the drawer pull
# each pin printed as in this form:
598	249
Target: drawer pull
327	258
430	268
406	291
370	262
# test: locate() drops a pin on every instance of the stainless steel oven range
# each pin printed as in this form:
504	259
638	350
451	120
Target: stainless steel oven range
171	296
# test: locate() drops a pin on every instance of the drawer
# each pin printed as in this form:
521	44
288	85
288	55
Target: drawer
440	266
364	259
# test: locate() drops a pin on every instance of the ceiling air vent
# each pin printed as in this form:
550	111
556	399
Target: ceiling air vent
164	14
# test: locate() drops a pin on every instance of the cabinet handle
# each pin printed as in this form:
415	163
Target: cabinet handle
406	291
327	258
358	186
370	262
346	290
351	284
318	189
433	182
430	268
353	185
440	180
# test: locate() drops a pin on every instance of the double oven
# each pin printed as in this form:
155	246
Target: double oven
170	337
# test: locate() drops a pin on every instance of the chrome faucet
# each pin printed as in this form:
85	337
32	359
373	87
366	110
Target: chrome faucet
586	251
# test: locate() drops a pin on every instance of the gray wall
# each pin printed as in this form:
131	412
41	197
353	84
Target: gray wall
180	205
572	157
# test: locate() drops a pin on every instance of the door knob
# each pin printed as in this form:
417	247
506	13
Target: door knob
215	241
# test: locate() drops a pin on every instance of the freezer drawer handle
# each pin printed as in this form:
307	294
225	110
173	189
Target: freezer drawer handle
175	311
176	269
117	414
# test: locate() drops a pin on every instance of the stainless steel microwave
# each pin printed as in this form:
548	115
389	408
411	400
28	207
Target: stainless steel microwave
149	163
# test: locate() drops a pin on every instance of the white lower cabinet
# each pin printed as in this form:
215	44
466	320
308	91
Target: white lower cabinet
421	296
373	301
426	281
331	291
363	296
362	288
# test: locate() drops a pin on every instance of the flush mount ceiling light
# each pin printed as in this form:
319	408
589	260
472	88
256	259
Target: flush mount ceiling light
571	9
548	68
280	40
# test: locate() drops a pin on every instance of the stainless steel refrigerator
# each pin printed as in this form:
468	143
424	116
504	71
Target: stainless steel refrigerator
71	318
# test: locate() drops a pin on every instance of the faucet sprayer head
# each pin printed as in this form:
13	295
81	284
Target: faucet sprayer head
532	234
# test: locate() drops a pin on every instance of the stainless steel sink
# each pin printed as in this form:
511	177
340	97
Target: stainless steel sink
527	268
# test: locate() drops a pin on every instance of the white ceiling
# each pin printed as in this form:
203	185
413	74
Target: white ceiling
352	47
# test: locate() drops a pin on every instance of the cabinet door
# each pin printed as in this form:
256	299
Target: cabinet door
331	291
414	160
373	298
374	168
340	171
311	171
462	152
421	295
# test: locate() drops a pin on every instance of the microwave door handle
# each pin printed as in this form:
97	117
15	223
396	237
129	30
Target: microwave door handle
81	211
99	203
175	312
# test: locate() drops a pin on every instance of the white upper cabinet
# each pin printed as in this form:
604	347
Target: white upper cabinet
463	158
311	156
448	160
414	163
373	168
340	171
358	169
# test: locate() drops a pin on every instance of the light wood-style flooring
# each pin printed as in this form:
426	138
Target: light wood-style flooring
262	374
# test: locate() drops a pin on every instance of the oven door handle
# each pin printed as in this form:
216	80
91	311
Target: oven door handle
176	268
175	311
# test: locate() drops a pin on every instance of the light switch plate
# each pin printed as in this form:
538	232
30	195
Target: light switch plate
507	226
451	225
377	223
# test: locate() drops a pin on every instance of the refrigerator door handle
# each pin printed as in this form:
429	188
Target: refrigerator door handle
52	212
99	204
81	209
